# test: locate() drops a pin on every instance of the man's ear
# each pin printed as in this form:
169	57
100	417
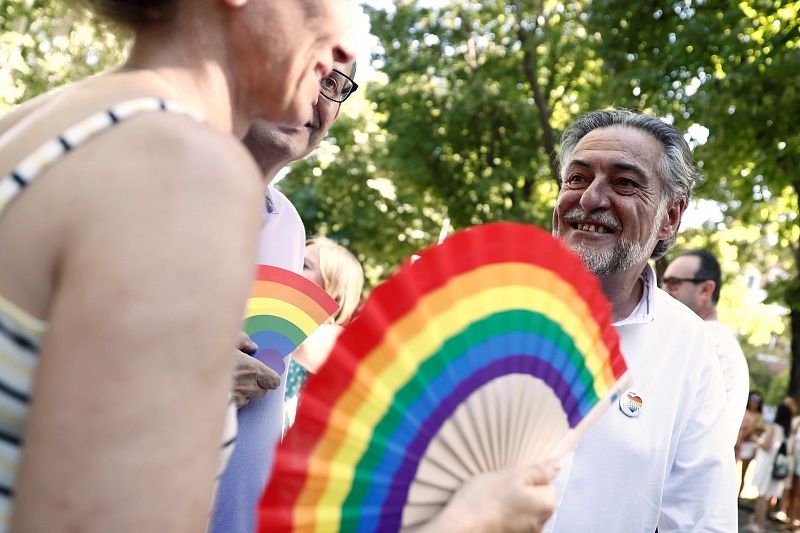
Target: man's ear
672	219
708	288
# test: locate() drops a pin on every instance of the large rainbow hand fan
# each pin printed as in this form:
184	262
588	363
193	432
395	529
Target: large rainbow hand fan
492	350
284	308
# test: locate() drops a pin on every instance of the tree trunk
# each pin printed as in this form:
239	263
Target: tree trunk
794	377
793	303
529	64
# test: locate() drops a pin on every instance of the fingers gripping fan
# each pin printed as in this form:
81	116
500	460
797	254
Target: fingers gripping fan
492	350
283	309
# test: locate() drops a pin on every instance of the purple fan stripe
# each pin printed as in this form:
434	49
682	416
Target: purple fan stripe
523	364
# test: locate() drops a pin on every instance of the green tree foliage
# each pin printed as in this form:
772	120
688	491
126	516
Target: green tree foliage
777	389
463	122
342	193
45	44
725	66
761	377
466	120
475	95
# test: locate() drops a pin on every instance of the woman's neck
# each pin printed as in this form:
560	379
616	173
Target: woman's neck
176	69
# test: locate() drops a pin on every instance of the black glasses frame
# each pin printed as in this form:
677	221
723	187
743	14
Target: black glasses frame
678	281
355	86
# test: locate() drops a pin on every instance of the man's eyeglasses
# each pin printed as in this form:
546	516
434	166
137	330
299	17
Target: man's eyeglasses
674	283
338	86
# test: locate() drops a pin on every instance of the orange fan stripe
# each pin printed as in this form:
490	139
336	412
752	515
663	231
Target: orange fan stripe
298	282
292	296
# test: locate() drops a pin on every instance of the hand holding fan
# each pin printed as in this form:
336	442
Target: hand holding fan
494	349
284	308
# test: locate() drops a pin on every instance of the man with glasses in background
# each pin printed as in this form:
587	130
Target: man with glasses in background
258	389
694	278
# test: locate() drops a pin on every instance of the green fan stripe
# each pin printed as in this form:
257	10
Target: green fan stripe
277	324
476	333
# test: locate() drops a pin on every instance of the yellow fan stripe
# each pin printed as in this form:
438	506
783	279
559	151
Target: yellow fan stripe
412	339
279	308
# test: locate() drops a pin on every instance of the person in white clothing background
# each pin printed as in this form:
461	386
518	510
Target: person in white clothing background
776	434
695	279
663	459
753	426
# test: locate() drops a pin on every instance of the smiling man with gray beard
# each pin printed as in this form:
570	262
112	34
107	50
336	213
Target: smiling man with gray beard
661	459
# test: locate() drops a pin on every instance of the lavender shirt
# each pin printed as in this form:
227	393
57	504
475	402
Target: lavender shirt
282	244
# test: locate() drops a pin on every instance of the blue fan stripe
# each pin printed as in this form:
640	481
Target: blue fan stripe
275	341
529	353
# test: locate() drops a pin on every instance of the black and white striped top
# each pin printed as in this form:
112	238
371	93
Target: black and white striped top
20	333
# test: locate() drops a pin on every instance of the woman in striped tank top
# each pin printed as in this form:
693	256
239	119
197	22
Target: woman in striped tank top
129	214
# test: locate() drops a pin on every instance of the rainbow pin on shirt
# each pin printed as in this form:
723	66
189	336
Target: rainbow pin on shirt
284	308
631	404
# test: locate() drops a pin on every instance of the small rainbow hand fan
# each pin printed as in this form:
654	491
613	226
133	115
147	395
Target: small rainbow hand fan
284	308
492	350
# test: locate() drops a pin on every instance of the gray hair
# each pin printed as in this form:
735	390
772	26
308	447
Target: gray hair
676	167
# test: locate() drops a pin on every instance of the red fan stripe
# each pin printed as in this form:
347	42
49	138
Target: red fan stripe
298	282
292	296
500	243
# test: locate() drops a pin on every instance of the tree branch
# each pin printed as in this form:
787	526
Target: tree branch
795	247
529	64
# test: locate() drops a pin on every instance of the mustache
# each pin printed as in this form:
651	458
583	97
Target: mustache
606	218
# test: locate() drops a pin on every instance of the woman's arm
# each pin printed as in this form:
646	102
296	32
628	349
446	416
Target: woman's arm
766	441
134	376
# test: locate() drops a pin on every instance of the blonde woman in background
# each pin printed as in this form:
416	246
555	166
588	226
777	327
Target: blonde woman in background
338	272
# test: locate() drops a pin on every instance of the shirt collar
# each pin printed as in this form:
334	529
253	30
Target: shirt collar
643	312
269	203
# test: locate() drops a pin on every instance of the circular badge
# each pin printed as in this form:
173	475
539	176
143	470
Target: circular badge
630	404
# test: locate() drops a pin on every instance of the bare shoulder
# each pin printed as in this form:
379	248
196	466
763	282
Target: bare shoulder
163	164
167	167
154	176
192	150
18	113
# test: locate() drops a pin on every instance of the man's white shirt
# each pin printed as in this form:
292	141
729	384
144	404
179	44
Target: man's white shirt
672	466
734	372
